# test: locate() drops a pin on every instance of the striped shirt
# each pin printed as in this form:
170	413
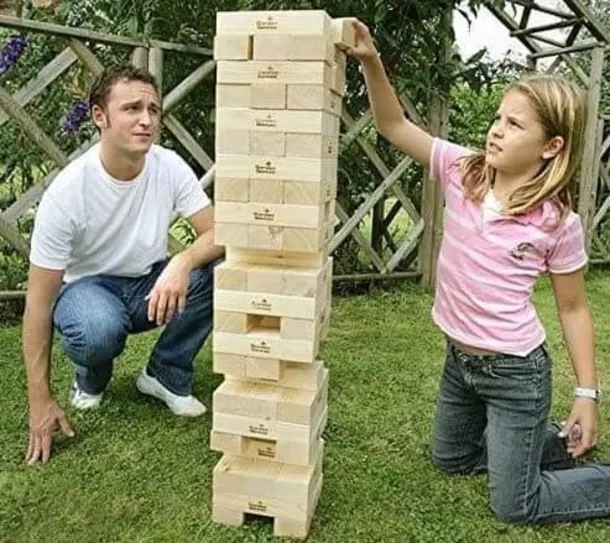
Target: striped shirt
488	263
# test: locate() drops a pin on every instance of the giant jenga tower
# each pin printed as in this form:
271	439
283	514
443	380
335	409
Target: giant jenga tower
280	81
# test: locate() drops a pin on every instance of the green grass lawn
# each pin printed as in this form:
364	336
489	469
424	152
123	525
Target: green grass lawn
136	473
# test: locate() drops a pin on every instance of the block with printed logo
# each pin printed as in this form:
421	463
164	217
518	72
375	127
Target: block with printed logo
283	373
287	493
278	120
287	415
249	72
293	47
295	22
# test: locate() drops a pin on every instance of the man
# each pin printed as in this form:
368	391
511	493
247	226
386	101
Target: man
98	264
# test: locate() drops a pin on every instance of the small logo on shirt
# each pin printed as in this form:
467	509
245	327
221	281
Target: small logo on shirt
522	250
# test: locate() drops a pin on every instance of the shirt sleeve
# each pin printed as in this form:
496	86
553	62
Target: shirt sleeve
568	254
189	196
53	235
444	161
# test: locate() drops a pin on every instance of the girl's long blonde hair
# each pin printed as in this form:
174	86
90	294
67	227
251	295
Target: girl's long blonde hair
560	106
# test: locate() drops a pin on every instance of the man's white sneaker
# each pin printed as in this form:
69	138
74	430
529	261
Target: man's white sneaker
185	406
83	400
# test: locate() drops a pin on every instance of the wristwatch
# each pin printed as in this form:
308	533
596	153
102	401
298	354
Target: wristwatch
591	393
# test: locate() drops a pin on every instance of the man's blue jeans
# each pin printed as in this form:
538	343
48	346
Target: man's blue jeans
95	314
492	416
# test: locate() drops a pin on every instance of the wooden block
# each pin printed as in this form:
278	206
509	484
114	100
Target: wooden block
232	365
244	255
266	279
289	496
313	97
231	234
279	120
231	189
271	403
265	237
262	369
268	96
232	322
232	142
266	344
270	191
344	33
272	214
233	47
231	276
311	47
311	146
276	305
236	445
271	46
285	72
232	96
292	328
230	517
269	144
338	77
307	193
279	168
307	240
273	22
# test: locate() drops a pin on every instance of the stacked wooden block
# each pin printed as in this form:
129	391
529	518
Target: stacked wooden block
280	81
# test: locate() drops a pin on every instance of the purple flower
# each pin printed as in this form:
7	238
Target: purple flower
78	114
11	51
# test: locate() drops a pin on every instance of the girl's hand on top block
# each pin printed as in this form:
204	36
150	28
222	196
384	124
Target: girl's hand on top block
365	48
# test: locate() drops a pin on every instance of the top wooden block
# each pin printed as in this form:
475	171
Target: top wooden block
269	22
344	33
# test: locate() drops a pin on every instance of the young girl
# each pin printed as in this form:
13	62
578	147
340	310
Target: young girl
508	220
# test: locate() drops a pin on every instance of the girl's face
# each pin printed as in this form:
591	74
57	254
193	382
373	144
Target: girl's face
516	142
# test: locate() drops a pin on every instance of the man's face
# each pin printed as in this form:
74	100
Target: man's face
130	120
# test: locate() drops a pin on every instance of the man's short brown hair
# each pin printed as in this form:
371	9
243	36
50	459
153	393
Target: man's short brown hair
100	90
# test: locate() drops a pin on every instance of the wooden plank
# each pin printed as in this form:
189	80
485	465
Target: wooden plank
233	47
14	237
185	138
258	71
276	214
273	22
31	129
277	120
294	47
155	67
314	97
267	96
86	34
45	77
313	170
590	164
87	57
344	33
175	96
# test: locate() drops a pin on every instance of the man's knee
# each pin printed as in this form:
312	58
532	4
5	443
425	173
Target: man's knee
454	464
93	340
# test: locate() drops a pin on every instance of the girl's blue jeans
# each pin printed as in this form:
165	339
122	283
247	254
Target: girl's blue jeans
492	416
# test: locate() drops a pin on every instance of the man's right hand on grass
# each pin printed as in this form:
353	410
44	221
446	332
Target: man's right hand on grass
45	416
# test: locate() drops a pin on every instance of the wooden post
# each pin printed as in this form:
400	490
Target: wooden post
590	165
155	67
432	196
139	58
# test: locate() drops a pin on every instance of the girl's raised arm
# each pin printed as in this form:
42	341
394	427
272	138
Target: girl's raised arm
387	111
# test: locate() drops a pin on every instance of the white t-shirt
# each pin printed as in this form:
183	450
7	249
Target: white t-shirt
89	223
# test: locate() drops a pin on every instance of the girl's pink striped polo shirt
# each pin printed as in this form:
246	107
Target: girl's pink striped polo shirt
488	263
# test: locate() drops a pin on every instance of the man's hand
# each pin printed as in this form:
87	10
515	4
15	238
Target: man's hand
364	48
44	418
169	292
581	427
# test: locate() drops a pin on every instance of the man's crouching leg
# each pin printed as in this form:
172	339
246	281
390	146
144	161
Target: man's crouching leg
169	374
93	322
